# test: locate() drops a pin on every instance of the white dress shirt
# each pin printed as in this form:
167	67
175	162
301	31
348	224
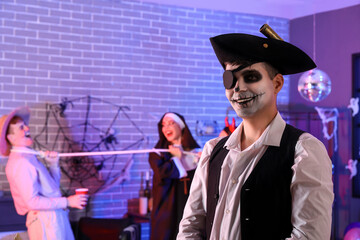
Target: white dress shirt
311	187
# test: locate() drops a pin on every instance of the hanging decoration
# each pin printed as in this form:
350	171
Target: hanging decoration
314	85
352	167
81	128
327	116
354	106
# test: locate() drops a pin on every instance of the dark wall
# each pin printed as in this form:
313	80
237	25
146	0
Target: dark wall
337	37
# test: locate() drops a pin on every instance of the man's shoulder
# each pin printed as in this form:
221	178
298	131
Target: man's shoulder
207	150
303	135
308	137
212	142
18	162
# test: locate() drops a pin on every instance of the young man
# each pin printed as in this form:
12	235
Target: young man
35	189
267	180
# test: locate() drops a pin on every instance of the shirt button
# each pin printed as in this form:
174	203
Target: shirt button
247	219
234	181
247	189
227	211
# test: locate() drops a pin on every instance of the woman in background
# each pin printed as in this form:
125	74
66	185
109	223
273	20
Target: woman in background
173	173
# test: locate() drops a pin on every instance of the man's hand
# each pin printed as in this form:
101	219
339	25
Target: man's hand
51	158
77	201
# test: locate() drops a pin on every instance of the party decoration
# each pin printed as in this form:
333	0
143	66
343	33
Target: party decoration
352	167
354	106
206	128
314	85
90	148
327	116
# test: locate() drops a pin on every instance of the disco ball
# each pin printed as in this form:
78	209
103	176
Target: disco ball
314	85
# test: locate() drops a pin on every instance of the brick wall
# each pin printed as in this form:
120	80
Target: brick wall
144	57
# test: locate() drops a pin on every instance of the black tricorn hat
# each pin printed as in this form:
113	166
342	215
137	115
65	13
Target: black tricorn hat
285	57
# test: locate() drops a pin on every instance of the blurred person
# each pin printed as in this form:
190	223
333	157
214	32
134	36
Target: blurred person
173	173
229	128
34	188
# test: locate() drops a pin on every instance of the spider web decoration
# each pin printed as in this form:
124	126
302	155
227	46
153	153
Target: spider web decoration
90	124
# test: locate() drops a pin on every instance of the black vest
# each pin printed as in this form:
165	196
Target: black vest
265	196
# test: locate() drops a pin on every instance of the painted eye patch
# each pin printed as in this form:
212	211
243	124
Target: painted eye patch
251	76
229	78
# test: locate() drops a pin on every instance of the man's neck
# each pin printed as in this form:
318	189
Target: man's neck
254	127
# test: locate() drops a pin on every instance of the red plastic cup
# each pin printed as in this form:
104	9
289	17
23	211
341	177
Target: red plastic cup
81	191
84	191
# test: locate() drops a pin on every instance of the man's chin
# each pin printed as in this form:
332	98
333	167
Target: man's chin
245	112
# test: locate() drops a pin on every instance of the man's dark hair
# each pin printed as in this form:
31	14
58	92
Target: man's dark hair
270	70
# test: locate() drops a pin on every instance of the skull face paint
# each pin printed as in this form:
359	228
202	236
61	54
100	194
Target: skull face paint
253	91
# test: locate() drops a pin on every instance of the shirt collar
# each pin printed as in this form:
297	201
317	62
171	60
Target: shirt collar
23	150
272	137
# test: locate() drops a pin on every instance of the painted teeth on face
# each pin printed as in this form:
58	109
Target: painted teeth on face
244	100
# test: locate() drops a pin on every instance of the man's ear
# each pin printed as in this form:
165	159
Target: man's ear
10	138
278	82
